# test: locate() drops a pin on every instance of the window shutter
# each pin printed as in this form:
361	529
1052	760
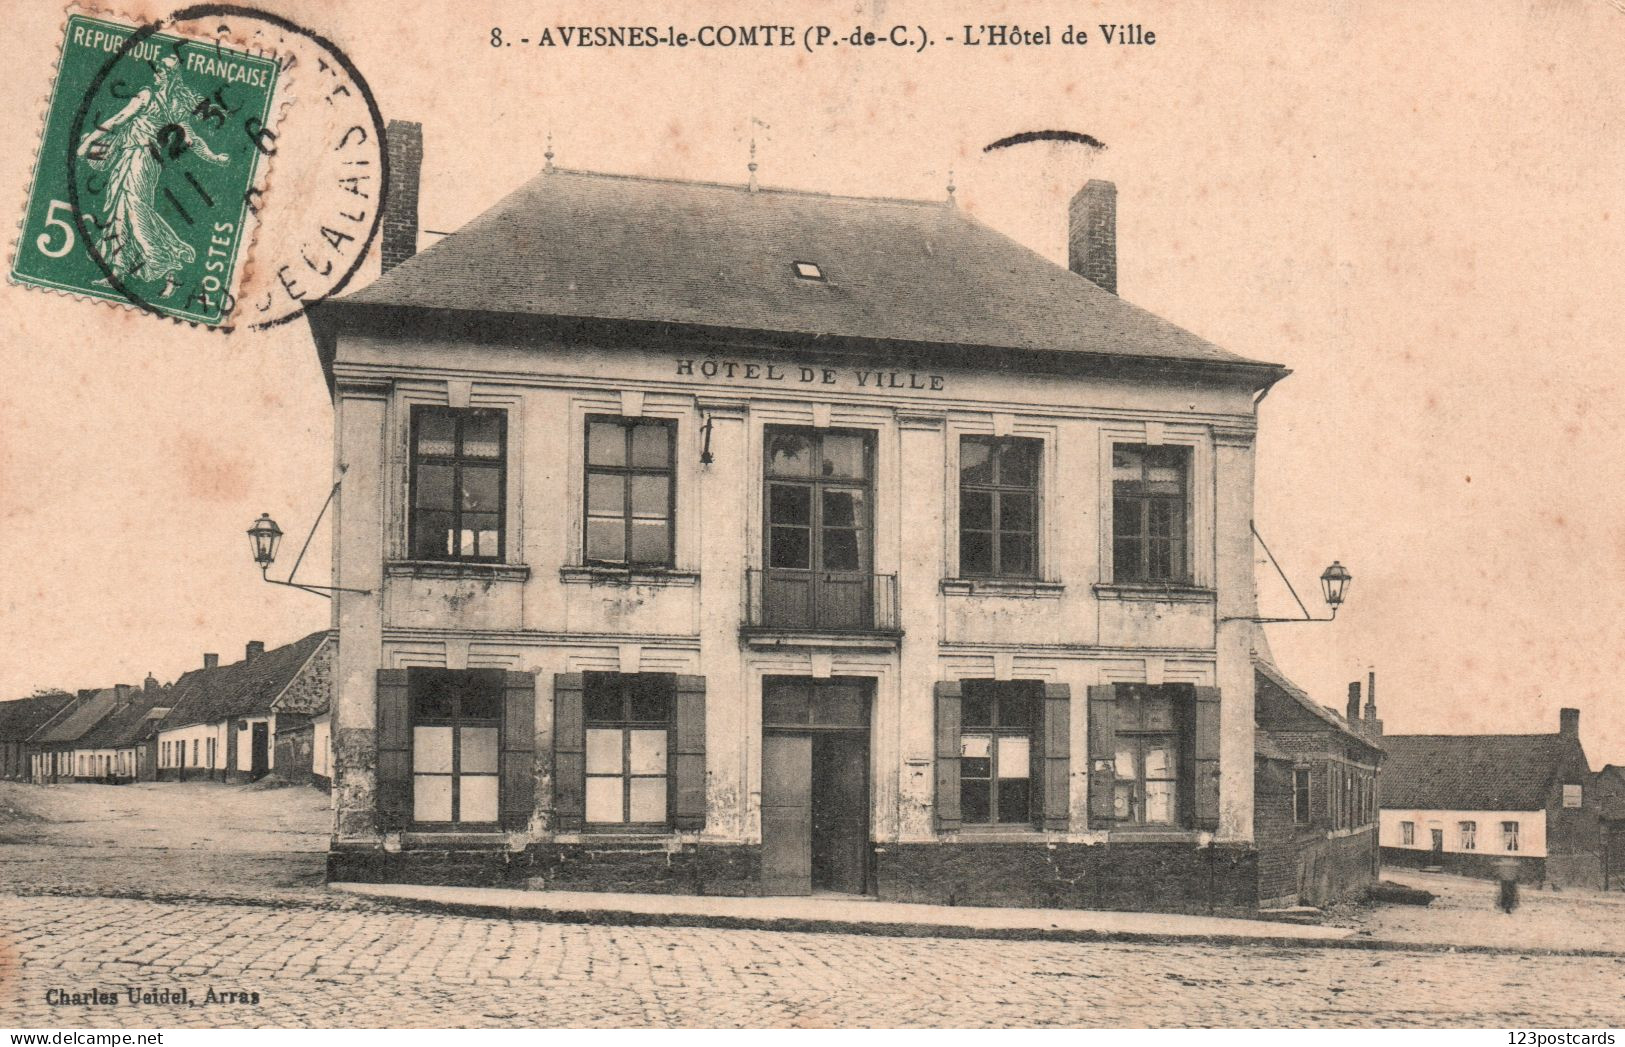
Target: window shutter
394	719
1057	755
1206	763
569	753
1102	754
688	754
518	760
947	763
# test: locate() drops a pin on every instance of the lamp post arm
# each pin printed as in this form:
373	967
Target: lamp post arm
312	534
1289	587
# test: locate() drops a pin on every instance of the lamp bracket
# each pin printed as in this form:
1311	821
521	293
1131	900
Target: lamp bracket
1307	617
315	590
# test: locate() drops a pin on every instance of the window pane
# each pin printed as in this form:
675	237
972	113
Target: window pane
1016	512
1159	803
974	805
648	799
1018	463
651	445
1123	801
477	798
601	698
1126	517
651	695
1127	565
975	746
841	551
975	461
606	540
604	799
606	444
1018	703
651	496
437	433
976	510
431	798
975	552
479	697
843	509
604	752
477	750
432	534
977	705
789	504
648	754
1014	799
1160	761
482	435
651	542
431	749
482	488
606	494
791	548
843	456
432	695
433	488
1014	756
788	454
1164	518
1016	554
1124	763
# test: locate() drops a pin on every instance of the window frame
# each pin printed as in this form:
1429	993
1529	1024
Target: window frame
1181	731
1302	808
627	471
1407	834
624	682
456	722
996	490
1510	833
455	461
1181	573
1579	796
1000	691
1467	835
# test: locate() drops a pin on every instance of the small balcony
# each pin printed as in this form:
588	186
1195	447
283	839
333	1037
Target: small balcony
784	606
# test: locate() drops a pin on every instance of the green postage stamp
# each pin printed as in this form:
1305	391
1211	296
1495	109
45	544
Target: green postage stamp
149	170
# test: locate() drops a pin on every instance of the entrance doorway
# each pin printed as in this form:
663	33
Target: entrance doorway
815	786
259	761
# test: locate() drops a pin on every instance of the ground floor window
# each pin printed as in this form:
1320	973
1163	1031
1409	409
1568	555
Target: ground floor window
1407	834
1469	835
1150	755
1300	795
456	733
628	724
1509	836
998	719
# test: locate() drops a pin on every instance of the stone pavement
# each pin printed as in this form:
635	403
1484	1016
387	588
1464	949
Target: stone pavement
837	913
1465	914
314	967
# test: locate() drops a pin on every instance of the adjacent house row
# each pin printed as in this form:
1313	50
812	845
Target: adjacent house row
236	722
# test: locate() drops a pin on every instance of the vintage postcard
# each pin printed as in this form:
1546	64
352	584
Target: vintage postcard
562	516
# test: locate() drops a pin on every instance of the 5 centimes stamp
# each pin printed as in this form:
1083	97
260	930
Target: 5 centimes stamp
155	148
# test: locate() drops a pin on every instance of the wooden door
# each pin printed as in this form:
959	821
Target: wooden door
261	739
786	814
840	812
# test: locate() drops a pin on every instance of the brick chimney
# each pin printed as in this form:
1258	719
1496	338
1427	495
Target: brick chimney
254	649
150	684
1568	723
211	661
1373	726
122	690
1091	236
1352	712
400	227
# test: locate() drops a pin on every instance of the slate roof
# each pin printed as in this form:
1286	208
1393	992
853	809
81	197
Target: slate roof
245	688
1272	675
89	710
582	245
1475	772
124	727
21	717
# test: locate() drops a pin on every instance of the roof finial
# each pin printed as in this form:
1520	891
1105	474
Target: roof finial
548	156
752	164
951	187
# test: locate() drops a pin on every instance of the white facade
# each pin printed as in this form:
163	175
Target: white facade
198	746
321	746
1487	835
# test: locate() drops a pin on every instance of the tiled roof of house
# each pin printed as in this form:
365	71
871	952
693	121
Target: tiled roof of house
124	726
245	688
1271	675
88	711
21	717
1475	772
585	246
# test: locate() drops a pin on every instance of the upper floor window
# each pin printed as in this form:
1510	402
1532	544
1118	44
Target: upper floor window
996	750
1469	835
459	466
1573	795
1149	495
631	488
998	506
1300	795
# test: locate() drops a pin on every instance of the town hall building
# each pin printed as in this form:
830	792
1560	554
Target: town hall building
727	539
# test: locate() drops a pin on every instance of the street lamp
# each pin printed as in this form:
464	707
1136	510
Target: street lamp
265	536
1334	584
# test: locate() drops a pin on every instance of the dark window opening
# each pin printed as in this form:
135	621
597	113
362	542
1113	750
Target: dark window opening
1152	768
1300	795
631	491
456	738
628	725
459	478
998	507
999	724
1149	508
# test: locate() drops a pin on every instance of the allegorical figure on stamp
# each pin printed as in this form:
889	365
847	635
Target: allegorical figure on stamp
132	147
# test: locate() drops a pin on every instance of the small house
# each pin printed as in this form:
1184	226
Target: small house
55	746
19	719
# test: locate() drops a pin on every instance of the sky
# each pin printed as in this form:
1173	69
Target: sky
1416	207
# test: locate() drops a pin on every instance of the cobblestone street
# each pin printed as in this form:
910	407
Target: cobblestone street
313	966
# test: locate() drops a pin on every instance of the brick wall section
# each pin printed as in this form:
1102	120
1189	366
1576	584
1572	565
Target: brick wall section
400	223
1274	832
1530	870
1092	234
294	749
1574	834
631	868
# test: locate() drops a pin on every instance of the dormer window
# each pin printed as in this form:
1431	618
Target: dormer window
809	271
